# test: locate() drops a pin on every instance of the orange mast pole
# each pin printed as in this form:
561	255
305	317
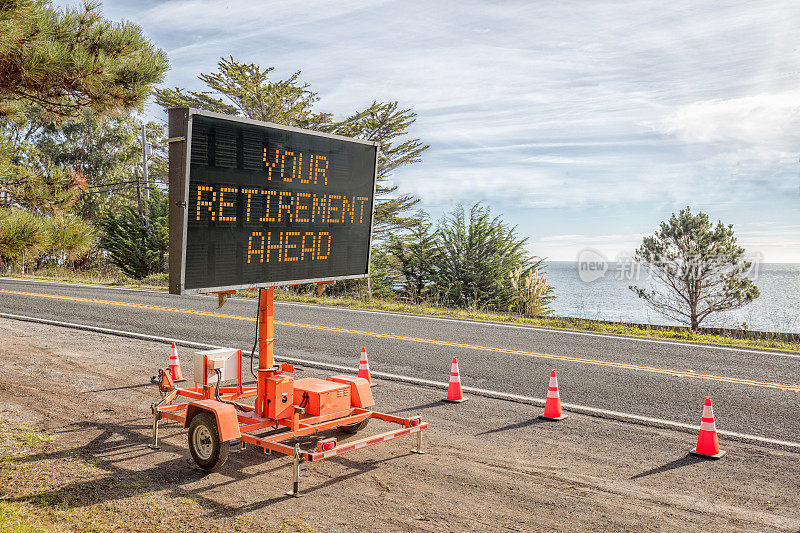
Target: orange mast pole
266	338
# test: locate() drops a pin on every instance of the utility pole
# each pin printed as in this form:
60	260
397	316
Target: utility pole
146	180
139	194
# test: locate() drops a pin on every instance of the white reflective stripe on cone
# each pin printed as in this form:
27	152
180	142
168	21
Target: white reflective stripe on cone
454	368
707	426
708	411
553	382
552	394
455	378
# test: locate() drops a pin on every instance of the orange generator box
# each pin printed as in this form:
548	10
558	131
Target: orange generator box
320	397
279	397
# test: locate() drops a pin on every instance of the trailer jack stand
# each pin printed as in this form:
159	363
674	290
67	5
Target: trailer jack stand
156	418
418	449
296	473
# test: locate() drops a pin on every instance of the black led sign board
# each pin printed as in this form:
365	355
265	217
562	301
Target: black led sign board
255	204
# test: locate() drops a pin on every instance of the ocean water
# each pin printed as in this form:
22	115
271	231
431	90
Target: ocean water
608	297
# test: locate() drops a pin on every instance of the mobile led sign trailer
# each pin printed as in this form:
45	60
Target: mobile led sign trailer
255	204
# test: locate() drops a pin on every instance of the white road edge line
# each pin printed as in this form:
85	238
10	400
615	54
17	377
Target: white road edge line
607	336
581	409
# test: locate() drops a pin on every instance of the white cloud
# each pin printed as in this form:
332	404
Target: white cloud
232	17
765	124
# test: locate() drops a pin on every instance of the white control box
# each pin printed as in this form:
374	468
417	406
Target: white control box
225	360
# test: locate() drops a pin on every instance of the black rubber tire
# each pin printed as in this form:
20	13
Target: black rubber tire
207	422
352	429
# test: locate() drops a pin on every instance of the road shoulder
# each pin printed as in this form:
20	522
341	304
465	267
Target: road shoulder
490	464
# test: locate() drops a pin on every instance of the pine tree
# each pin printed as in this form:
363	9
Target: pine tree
247	90
65	61
698	269
49	191
54	65
27	237
385	124
69	238
21	233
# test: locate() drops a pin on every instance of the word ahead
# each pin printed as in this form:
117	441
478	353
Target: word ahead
289	246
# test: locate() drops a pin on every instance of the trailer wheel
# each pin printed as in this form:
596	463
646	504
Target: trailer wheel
354	428
204	444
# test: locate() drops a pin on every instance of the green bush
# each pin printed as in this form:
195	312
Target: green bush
157	279
477	257
138	246
381	275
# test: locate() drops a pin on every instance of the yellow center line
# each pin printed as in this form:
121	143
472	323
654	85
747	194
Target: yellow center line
582	360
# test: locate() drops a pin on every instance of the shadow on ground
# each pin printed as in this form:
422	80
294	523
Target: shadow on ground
518	425
672	465
126	441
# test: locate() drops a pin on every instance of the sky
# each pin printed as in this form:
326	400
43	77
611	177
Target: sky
584	124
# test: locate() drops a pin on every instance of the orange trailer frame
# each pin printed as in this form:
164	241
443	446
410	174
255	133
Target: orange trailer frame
244	423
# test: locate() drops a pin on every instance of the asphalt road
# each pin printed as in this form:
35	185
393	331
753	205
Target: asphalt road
754	391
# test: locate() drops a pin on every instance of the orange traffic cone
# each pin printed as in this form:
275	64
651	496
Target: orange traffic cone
454	394
552	406
707	444
363	366
175	364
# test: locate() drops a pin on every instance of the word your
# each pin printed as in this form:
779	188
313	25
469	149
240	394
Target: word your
257	206
316	170
278	246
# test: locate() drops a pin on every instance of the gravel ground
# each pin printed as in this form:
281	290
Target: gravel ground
490	465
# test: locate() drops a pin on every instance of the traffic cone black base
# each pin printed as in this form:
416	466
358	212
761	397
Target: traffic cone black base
455	401
694	451
553	418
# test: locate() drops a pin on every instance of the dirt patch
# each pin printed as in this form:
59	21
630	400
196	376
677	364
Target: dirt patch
50	488
491	465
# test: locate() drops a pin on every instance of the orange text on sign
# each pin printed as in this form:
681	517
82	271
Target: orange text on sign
221	204
288	165
288	246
